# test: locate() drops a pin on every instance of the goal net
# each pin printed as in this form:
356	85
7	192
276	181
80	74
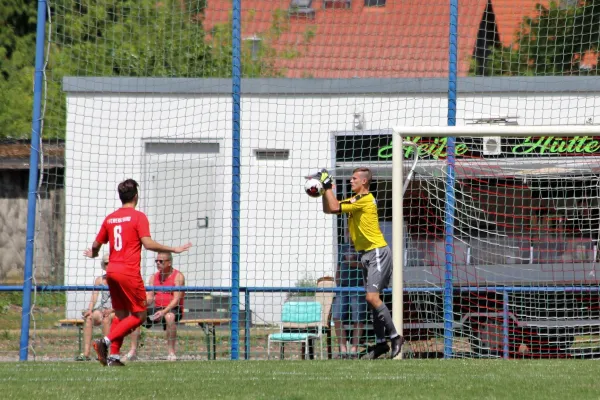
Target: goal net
149	90
505	227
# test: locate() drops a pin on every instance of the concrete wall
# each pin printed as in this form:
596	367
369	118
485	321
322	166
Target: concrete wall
49	246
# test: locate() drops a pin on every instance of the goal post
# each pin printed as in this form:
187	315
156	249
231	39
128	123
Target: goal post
553	160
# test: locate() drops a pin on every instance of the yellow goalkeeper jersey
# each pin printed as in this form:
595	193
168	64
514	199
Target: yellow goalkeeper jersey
363	222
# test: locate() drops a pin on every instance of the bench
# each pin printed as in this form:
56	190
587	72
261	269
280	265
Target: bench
208	326
78	323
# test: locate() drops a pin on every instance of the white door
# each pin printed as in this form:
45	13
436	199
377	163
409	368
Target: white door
181	209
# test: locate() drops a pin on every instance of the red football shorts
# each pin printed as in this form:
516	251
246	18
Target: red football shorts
127	292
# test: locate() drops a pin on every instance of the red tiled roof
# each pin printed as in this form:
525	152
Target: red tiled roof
509	17
406	38
589	59
510	14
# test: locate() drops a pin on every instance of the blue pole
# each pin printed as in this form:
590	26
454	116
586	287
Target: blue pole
235	181
34	158
247	326
450	199
505	325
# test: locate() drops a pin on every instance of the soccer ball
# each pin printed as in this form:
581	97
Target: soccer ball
313	187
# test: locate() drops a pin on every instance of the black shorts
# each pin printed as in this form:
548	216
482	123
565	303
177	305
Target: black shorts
152	310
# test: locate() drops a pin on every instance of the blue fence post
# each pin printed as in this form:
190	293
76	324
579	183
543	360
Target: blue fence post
505	321
450	199
248	314
34	158
236	74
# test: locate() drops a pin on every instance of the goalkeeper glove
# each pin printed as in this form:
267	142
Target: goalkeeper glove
325	178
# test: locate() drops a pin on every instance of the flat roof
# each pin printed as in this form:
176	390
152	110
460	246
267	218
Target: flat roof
14	154
287	86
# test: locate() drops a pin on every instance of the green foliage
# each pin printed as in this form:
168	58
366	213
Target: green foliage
306	282
309	34
553	43
110	38
49	299
281	23
8	299
290	54
17	41
130	38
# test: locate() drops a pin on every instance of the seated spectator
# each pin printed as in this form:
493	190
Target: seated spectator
349	307
99	312
164	308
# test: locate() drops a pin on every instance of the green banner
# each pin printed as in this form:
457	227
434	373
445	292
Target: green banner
436	148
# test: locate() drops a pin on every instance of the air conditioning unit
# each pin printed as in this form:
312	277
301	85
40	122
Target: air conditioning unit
492	146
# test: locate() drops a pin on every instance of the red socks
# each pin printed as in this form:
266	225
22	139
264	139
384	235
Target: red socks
119	329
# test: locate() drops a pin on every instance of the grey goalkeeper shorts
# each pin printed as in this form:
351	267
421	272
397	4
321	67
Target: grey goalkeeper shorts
377	264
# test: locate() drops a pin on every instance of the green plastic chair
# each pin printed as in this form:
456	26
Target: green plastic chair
305	316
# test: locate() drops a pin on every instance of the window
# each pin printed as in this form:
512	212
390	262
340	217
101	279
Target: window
374	3
301	8
337	3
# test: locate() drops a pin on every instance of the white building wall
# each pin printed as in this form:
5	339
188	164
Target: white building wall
284	235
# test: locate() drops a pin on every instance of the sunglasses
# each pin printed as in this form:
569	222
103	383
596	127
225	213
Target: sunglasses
160	261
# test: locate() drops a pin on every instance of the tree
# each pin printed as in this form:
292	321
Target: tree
17	44
110	38
555	42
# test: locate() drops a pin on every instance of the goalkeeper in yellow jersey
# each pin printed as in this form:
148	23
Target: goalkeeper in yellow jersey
375	255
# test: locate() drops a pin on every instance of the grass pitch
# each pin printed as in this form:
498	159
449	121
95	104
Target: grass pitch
381	379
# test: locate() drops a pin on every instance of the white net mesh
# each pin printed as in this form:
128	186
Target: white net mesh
143	90
524	243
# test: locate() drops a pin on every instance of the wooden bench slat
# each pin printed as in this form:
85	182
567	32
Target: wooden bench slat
211	321
71	322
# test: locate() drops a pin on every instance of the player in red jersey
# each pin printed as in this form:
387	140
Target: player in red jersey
126	230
